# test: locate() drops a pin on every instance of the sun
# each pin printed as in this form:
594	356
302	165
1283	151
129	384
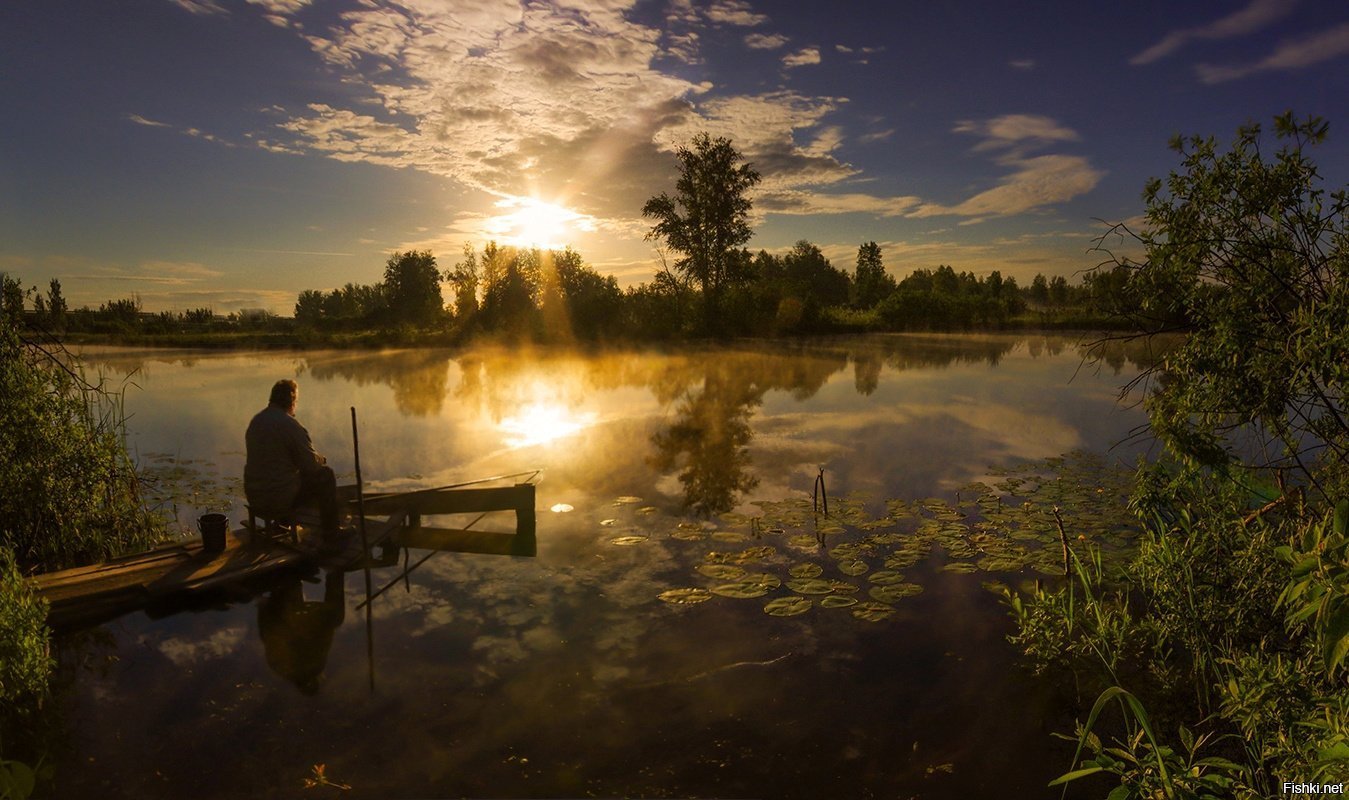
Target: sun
543	423
531	222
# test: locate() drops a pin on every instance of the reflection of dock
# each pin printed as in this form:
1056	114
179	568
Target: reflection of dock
88	595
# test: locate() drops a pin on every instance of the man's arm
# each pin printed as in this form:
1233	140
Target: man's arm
302	450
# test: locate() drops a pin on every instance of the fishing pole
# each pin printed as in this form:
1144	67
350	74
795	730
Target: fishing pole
365	549
530	473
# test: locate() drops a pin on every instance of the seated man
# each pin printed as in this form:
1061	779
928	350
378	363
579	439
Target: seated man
282	470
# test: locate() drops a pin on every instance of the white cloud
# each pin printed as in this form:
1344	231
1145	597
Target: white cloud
801	58
734	12
1289	55
139	120
1022	63
765	41
1035	181
1255	16
201	7
876	136
799	202
283	7
1016	131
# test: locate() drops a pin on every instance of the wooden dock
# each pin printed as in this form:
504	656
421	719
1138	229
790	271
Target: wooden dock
88	595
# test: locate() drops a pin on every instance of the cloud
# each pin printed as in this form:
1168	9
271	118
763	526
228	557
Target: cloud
168	273
801	58
799	202
876	136
139	120
201	7
1022	63
284	7
734	12
1289	55
1015	131
1034	182
765	41
1259	14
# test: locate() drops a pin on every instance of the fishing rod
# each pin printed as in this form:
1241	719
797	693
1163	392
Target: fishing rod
530	473
365	549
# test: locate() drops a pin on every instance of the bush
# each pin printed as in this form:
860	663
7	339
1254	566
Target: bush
25	661
68	490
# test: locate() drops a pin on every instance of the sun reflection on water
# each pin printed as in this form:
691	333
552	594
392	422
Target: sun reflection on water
543	423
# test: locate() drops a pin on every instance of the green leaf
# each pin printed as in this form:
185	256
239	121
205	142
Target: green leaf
1335	635
1074	775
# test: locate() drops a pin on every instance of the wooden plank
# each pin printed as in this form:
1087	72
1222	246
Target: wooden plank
466	541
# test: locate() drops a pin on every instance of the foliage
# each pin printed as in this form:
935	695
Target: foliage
871	283
25	661
1250	256
708	218
68	491
412	288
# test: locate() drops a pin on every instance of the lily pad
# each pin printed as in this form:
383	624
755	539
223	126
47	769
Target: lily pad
627	500
803	541
838	601
959	567
886	577
873	612
810	586
608	523
788	606
681	597
729	536
688	536
722	572
628	541
895	592
844	587
806	571
853	566
765	579
741	589
561	508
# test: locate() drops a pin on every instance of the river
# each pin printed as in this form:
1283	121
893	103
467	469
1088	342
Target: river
882	670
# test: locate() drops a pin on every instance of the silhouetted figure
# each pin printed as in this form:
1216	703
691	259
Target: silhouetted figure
283	471
297	634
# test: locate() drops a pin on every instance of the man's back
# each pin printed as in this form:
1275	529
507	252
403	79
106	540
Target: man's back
279	452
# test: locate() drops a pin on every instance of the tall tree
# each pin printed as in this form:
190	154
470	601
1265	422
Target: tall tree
464	278
412	286
871	283
708	218
56	304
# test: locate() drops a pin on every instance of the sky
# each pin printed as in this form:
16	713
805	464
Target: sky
231	153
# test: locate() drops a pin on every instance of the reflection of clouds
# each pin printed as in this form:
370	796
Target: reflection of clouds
184	653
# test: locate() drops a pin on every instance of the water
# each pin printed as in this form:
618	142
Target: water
563	675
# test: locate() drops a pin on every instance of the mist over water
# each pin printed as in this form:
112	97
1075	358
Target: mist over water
563	674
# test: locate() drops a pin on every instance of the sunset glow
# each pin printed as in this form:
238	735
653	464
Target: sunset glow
543	423
530	222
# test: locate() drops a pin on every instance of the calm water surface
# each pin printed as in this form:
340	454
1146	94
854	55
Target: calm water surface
563	675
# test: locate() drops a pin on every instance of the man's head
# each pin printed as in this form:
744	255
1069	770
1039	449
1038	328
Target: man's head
284	394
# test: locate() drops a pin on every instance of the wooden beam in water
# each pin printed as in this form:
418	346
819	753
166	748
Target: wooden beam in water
452	540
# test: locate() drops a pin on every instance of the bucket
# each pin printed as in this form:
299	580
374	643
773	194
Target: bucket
213	528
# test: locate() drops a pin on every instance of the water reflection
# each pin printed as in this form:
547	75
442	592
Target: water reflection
489	667
298	633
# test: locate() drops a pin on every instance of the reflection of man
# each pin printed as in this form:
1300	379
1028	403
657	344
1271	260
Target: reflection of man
282	470
297	634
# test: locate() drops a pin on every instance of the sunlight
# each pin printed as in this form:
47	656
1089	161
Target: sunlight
530	222
543	423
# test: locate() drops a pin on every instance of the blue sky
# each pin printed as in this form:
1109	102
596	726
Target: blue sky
231	153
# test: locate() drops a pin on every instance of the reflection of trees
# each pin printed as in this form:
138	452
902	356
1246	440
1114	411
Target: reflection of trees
712	435
419	378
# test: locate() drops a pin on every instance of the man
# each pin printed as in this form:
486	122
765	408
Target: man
282	470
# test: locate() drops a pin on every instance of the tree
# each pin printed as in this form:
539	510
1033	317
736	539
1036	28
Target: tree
1249	256
871	283
708	218
464	279
11	297
56	304
1039	289
309	307
412	286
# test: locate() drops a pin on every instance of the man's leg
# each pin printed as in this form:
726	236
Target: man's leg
320	487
